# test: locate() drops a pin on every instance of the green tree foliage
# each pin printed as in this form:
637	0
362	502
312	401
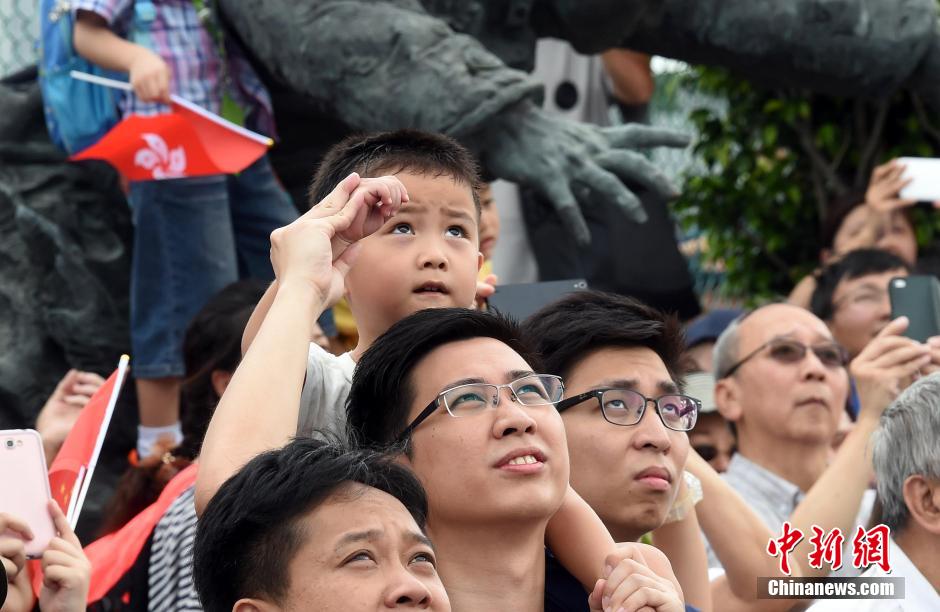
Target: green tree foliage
773	163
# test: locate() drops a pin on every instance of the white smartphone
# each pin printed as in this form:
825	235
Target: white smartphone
925	172
24	485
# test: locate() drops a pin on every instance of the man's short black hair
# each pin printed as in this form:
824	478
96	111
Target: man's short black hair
382	387
855	264
372	155
250	530
570	329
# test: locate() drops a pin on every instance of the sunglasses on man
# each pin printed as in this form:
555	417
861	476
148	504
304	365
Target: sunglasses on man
783	350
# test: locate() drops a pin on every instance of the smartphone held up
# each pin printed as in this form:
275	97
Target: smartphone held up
24	486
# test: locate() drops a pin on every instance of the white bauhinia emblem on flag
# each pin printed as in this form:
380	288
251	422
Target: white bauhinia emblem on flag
162	161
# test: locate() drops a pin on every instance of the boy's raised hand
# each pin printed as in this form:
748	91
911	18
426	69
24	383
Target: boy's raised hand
319	248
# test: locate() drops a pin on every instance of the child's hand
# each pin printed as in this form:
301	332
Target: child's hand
630	585
150	77
319	248
66	570
485	288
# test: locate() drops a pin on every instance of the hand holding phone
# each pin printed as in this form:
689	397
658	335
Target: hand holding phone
24	489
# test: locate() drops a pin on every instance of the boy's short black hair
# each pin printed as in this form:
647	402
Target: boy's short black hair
855	264
382	388
419	152
250	530
571	328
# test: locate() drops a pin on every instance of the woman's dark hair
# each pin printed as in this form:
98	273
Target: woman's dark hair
838	209
212	342
570	329
382	388
250	530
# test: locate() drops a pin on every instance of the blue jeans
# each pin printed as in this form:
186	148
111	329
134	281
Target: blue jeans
192	237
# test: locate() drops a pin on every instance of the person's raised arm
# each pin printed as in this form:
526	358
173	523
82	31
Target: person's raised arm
149	74
681	541
258	315
741	550
883	368
579	539
311	257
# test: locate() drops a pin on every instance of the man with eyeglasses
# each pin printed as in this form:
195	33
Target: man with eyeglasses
627	417
783	381
465	403
851	296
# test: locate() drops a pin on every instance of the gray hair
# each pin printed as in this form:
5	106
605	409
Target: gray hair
906	443
725	353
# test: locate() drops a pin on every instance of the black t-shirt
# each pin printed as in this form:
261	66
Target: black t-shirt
563	592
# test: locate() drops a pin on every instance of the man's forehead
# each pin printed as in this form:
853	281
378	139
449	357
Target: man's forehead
781	320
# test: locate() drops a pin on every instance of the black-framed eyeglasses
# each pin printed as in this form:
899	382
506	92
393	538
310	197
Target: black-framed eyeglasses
784	350
471	398
626	407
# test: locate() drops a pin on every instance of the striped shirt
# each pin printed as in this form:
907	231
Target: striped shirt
176	35
171	558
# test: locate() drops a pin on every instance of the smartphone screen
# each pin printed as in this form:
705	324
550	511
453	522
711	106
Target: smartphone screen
24	485
924	173
916	297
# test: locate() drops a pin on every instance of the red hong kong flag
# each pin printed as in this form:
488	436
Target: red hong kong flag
189	141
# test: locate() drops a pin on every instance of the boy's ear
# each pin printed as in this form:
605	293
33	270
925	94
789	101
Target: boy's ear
479	260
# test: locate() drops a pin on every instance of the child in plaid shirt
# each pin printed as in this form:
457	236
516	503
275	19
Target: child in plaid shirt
192	236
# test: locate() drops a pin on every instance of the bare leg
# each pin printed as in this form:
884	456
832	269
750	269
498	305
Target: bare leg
159	401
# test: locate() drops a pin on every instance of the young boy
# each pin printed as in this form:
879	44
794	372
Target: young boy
192	236
394	245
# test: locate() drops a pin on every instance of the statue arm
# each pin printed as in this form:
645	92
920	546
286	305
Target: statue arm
379	65
847	48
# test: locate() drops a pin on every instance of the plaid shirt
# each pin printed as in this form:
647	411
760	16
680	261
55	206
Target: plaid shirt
177	36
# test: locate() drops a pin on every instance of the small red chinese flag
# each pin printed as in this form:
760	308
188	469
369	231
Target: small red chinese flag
79	446
189	141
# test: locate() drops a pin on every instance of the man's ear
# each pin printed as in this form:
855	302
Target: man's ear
727	398
253	605
922	498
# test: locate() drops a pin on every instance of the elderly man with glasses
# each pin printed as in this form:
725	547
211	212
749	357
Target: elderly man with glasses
784	381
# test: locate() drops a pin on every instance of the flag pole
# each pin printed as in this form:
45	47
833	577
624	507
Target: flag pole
125	86
102	432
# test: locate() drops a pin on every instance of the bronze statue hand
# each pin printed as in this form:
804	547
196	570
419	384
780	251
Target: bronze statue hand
575	163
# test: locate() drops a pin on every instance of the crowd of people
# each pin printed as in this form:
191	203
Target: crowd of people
413	449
